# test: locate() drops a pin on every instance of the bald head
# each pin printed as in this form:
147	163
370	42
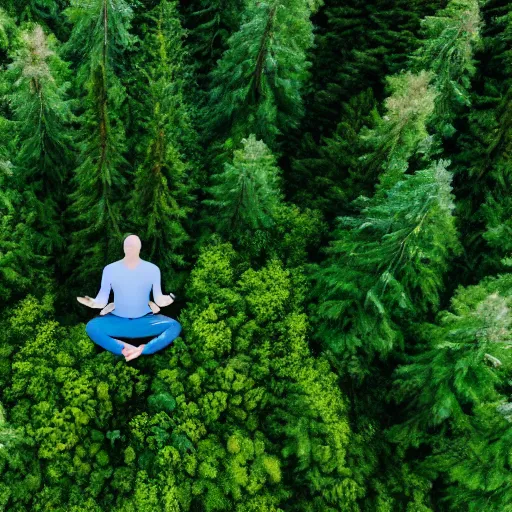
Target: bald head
132	244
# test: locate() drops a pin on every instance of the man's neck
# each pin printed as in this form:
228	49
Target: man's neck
131	262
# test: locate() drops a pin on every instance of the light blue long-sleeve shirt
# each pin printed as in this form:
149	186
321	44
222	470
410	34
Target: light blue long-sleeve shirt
131	287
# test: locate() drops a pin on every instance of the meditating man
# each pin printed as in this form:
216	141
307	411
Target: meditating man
131	315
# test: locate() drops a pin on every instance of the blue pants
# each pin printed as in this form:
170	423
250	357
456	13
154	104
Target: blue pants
101	329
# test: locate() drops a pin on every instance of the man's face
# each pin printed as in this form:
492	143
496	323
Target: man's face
132	245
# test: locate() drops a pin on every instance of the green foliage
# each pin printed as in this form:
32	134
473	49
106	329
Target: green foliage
301	171
162	195
99	37
64	403
246	194
400	132
456	392
7	29
42	115
484	160
449	39
212	22
385	268
355	48
212	427
333	170
256	86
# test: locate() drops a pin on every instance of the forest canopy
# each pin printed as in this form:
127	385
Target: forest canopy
325	187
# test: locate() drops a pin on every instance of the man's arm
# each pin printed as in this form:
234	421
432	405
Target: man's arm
160	299
157	285
102	298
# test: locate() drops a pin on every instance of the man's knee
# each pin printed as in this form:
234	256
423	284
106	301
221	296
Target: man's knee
91	326
177	326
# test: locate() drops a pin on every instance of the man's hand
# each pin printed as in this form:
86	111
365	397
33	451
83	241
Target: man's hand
132	353
164	300
90	302
108	308
153	307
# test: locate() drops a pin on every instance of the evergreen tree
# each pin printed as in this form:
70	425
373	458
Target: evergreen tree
482	163
211	23
38	99
247	193
99	37
357	44
33	10
449	39
384	269
162	195
400	133
33	87
455	391
47	13
257	84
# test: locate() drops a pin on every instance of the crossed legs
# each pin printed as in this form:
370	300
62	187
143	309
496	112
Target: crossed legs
102	329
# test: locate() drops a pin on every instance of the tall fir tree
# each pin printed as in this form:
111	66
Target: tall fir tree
211	24
257	84
16	275
357	45
162	197
39	101
99	37
384	269
246	194
455	391
9	37
449	42
399	134
47	13
483	159
35	84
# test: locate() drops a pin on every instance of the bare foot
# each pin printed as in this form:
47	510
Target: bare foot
127	348
132	354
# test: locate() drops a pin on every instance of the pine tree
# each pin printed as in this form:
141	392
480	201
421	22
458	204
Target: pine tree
400	133
38	98
9	36
162	196
246	193
99	37
482	164
33	10
384	269
47	13
450	38
357	44
455	392
257	84
33	154
210	23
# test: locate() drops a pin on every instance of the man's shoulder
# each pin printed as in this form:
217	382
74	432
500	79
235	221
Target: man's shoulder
152	266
